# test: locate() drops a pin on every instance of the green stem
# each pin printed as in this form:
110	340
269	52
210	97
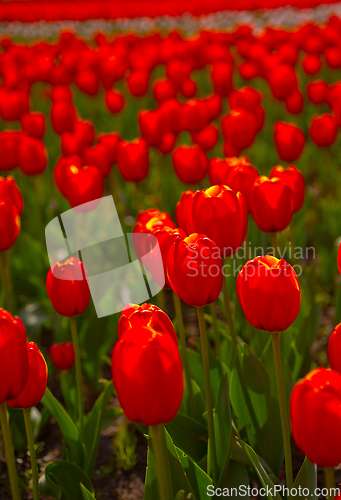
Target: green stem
183	344
283	410
32	451
10	459
80	399
274	243
38	203
329	481
213	312
247	248
162	300
6	283
229	313
212	463
159	446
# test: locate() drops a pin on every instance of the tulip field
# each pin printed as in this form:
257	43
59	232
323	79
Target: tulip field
170	253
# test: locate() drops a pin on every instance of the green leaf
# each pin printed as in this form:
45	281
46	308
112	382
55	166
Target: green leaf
179	479
197	477
261	472
223	428
180	495
87	495
68	477
188	434
92	427
307	478
49	489
67	427
236	478
69	392
195	364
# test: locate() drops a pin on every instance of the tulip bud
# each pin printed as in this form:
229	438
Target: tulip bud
99	157
8	187
111	142
34	124
289	140
269	293
315	410
133	160
114	101
138	82
272	204
323	130
67	287
207	138
13	356
239	128
34	389
317	91
241	177
62	116
151	126
311	64
87	82
214	212
194	270
9	223
282	81
32	156
152	219
190	164
294	102
62	355
80	184
293	178
146	367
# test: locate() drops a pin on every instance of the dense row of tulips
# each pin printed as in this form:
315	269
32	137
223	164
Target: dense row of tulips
217	410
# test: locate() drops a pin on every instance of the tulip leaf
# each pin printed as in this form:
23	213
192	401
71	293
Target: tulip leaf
179	478
69	392
197	477
307	478
188	434
92	427
238	454
223	428
68	477
49	489
261	472
67	427
87	495
236	480
195	364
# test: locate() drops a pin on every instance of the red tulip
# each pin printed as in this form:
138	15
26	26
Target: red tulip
99	157
293	178
146	315
67	287
272	204
311	64
230	151
269	293
248	70
34	389
87	82
207	138
9	223
294	102
151	126
214	211
178	70
315	399
167	144
138	83
32	156
61	93
34	124
282	81
241	177
13	104
214	104
62	355
9	145
111	142
62	116
9	188
133	160
13	356
147	371
334	347
333	57
218	169
114	101
221	74
194	270
317	91
152	219
190	164
80	184
163	90
239	128
188	88
323	130
194	115
289	140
